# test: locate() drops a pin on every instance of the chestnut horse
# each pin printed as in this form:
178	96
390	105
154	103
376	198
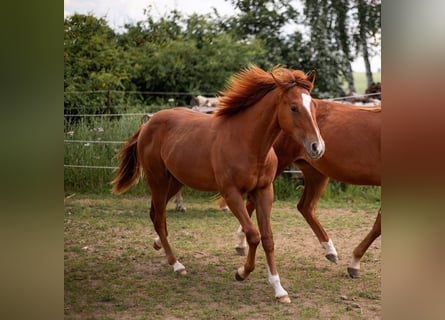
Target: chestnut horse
229	152
352	137
352	155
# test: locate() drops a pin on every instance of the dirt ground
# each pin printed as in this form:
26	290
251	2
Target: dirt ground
112	271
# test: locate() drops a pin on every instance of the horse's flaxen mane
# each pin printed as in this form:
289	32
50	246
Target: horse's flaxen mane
250	85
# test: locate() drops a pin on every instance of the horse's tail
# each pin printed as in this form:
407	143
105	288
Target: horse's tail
129	170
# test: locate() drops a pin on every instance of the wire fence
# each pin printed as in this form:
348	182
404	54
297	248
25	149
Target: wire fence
104	115
104	142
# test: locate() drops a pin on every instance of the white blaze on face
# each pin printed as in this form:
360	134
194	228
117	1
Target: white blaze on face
306	101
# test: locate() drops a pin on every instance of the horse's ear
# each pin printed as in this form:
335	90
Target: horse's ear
275	79
311	76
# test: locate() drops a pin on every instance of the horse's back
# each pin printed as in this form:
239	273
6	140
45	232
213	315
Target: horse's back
353	143
178	115
179	123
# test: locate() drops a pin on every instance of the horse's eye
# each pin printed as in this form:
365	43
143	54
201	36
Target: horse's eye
293	108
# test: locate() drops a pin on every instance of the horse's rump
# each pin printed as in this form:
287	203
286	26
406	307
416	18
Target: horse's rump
180	141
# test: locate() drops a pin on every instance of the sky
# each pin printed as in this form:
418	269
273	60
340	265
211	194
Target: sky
119	12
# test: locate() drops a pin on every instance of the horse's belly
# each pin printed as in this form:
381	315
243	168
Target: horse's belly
193	175
187	158
354	175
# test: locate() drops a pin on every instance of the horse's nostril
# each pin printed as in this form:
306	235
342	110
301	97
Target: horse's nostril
315	147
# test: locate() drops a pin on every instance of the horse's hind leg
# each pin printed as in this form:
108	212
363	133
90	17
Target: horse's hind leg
159	199
222	205
359	251
179	202
314	185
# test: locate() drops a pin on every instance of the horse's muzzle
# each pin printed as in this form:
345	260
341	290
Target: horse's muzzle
316	150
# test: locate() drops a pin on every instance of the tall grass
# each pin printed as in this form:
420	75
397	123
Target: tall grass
97	129
97	181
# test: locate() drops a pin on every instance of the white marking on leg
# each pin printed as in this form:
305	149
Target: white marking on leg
355	264
242	243
329	246
158	242
178	266
274	280
241	272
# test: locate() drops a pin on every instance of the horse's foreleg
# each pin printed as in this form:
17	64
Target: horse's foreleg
359	251
236	204
314	185
241	246
263	200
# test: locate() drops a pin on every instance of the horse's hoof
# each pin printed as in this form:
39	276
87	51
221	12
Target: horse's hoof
241	251
182	272
225	209
238	277
331	257
353	273
283	299
156	246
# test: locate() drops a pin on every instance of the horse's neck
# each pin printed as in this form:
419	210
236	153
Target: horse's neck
287	150
261	124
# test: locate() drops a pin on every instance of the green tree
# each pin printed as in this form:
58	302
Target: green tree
180	54
269	21
368	16
196	54
324	49
93	62
343	36
263	20
340	30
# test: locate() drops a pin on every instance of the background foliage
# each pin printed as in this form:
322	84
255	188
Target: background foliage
196	54
97	180
177	57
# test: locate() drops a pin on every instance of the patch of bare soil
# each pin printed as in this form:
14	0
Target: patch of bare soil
119	255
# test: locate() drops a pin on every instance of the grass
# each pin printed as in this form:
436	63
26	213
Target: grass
112	272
